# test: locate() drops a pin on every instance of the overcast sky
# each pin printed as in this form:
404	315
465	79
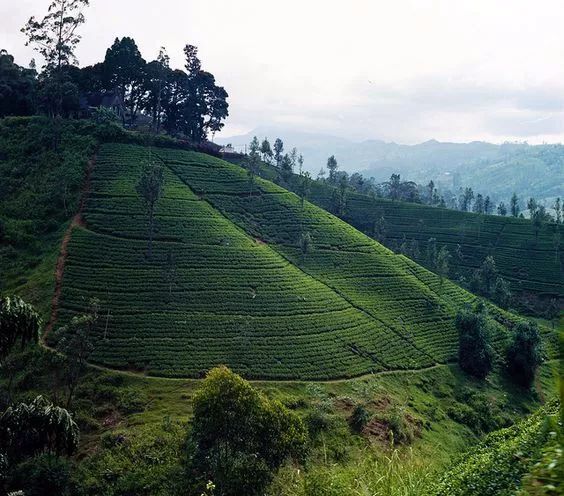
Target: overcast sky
398	70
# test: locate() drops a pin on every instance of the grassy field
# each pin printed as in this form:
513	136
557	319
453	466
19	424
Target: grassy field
228	284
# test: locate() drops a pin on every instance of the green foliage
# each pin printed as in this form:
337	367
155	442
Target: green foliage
475	354
19	322
150	189
238	437
29	429
359	418
144	463
43	475
524	354
496	465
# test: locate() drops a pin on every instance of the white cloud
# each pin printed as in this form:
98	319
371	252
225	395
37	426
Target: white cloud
406	70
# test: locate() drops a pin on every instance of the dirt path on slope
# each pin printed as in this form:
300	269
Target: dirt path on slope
76	221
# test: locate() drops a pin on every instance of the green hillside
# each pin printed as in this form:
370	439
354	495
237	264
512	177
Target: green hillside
228	284
533	264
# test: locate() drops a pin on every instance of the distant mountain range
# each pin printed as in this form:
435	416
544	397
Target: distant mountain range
495	170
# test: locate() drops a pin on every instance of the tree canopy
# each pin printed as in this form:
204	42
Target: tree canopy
238	436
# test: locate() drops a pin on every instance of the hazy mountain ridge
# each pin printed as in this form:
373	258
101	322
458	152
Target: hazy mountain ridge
495	170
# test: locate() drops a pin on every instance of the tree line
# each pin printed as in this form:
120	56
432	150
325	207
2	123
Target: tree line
181	102
397	189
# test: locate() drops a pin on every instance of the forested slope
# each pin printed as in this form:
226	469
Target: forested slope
228	283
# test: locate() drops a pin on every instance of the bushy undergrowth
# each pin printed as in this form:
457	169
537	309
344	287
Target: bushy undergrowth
495	467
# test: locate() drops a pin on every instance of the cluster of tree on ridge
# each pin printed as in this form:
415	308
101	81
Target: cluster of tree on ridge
181	102
466	200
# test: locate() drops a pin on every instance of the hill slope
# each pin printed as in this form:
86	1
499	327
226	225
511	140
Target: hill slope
533	264
227	282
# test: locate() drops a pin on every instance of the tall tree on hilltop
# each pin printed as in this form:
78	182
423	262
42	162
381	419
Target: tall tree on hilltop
286	167
502	209
558	210
332	167
206	106
157	74
514	205
55	38
466	199
479	204
124	71
278	151
150	189
300	163
394	186
266	151
254	162
487	205
431	190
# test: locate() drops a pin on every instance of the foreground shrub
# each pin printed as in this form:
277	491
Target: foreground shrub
239	438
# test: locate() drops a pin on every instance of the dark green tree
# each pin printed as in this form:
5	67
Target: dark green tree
18	87
304	186
430	191
55	37
286	167
514	205
266	151
124	70
443	263
278	151
157	74
524	354
150	188
502	209
29	432
432	253
558	210
19	324
479	204
475	354
75	341
466	199
305	242
332	167
487	205
238	437
394	187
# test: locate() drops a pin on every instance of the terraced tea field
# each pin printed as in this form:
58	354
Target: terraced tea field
533	265
228	284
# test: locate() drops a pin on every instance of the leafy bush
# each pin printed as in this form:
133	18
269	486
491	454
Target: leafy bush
239	437
524	354
475	354
359	418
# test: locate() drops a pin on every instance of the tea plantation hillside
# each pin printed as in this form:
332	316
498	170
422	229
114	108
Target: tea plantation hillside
532	262
227	282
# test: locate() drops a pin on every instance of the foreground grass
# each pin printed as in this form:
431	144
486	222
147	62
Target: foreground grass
134	427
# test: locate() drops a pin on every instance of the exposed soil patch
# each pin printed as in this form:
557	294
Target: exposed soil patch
77	221
377	430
